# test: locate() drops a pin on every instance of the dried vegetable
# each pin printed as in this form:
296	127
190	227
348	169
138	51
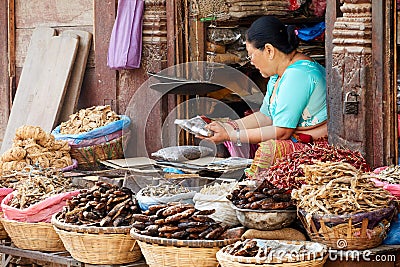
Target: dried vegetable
36	184
178	221
88	119
102	205
338	188
390	175
32	145
283	174
265	196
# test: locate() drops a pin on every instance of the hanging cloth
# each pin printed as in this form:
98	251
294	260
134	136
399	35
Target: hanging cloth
125	49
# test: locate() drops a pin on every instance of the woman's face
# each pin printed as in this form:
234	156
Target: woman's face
260	60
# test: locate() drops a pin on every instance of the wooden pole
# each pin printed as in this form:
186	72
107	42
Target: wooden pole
11	50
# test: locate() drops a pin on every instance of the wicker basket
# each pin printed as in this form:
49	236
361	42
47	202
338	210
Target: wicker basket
88	157
315	257
33	236
98	245
3	232
226	262
163	252
359	233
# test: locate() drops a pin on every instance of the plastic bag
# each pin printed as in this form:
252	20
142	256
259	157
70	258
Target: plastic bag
3	193
195	126
102	131
182	153
39	212
223	35
146	201
393	236
224	212
125	47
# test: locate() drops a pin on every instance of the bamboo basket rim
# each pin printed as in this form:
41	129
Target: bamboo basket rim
315	262
274	260
182	243
39	236
88	229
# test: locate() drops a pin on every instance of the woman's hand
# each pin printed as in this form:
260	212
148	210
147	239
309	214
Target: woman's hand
220	132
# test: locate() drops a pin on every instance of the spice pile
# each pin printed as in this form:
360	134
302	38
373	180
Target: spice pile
88	119
283	174
102	205
32	145
178	221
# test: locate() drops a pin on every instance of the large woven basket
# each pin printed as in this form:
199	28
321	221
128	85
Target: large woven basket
3	232
88	157
163	252
98	245
33	236
358	231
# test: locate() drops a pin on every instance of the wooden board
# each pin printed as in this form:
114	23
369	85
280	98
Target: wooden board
27	84
52	82
75	83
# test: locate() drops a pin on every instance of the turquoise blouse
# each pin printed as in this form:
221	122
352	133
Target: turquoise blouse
300	98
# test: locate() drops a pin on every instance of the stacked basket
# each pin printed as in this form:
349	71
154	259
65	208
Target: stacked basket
98	245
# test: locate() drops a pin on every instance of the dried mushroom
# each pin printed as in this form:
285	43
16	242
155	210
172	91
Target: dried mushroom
88	119
32	145
103	205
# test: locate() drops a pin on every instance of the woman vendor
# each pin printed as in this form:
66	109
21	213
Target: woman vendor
294	111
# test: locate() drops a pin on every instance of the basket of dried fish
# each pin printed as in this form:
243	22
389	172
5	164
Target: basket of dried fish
33	236
94	226
272	253
178	235
342	208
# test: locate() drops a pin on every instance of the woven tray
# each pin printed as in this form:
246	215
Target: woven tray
33	236
163	252
88	157
98	245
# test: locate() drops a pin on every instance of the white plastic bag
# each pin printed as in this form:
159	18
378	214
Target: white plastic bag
146	201
224	213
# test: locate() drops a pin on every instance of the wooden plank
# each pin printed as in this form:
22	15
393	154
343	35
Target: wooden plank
106	89
4	80
27	84
52	82
53	13
23	37
70	102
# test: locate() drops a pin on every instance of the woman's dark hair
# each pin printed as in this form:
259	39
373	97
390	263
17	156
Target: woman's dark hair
269	29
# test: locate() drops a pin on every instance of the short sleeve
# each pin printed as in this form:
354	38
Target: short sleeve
292	97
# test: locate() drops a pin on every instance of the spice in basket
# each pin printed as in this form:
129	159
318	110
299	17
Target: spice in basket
265	196
104	205
390	175
88	119
284	173
178	221
32	145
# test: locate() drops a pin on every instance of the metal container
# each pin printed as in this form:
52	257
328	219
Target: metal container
265	219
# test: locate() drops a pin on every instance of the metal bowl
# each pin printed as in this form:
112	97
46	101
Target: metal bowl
265	219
